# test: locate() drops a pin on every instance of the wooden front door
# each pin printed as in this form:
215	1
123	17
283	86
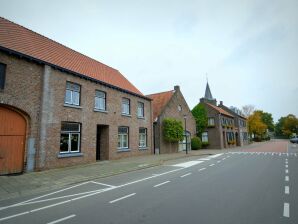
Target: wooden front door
12	141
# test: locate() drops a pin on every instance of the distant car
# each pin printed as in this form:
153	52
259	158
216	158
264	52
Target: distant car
294	140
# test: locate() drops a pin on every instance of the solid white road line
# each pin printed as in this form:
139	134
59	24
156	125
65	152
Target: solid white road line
62	219
204	159
157	185
286	210
126	196
286	178
202	169
214	156
212	164
287	171
185	175
287	190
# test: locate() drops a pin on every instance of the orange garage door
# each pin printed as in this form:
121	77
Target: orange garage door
12	141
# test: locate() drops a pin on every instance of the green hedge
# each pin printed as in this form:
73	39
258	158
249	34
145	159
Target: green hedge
196	143
172	130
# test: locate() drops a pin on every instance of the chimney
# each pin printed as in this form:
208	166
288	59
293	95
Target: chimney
176	88
220	103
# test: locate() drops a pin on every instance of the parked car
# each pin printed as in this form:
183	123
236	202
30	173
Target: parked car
294	140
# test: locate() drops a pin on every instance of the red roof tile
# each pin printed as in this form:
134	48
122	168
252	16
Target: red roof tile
22	40
159	101
220	110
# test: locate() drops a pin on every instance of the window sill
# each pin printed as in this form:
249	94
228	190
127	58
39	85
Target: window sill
123	150
126	115
66	155
101	111
143	118
72	106
143	148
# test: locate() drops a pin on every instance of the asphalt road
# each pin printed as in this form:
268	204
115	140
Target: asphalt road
244	187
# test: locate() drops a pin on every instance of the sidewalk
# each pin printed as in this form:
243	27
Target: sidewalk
37	182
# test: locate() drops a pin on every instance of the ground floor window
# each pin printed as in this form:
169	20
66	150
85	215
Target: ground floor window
142	137
183	145
123	135
205	137
70	137
230	137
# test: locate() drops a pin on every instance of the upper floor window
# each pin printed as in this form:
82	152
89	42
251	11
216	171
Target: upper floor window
211	121
72	94
2	75
100	100
140	109
125	106
70	137
142	137
123	135
179	108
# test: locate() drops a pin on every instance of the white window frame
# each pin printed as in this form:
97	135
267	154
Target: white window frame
121	138
205	136
211	123
141	112
73	89
142	138
98	100
70	134
125	106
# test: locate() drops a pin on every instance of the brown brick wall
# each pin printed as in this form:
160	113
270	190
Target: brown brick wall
171	111
22	93
24	88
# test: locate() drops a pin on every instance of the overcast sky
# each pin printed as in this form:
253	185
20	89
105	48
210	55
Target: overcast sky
249	48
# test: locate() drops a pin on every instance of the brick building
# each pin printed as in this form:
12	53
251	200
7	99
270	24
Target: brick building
220	132
59	107
171	104
240	121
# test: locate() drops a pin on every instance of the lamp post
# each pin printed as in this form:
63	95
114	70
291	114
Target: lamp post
185	133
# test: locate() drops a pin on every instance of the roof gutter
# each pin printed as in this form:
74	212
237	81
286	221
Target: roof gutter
21	55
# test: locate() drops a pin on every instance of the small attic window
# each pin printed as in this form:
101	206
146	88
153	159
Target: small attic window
179	108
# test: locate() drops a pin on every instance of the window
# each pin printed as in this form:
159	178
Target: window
143	137
100	100
140	109
205	137
211	122
72	94
125	106
179	108
123	134
70	137
186	139
2	75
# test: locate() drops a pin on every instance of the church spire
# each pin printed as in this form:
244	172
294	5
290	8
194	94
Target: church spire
208	94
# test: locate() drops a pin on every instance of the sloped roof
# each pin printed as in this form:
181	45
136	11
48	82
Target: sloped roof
159	101
220	110
28	43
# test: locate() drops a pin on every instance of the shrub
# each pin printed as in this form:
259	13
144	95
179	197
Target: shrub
172	130
205	144
196	143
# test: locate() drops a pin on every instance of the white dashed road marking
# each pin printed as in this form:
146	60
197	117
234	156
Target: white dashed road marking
287	171
202	169
287	178
287	190
157	185
185	175
188	164
62	219
212	164
119	199
286	210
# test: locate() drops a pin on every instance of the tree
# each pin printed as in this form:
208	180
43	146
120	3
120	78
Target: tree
200	114
172	130
290	125
256	125
286	126
267	119
247	110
